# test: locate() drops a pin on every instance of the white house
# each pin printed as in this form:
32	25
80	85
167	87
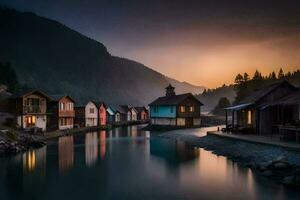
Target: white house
91	114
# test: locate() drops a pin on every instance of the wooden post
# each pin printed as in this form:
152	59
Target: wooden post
226	115
232	119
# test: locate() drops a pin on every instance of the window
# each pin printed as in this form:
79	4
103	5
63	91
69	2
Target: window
31	120
92	110
182	109
155	109
249	116
172	109
192	108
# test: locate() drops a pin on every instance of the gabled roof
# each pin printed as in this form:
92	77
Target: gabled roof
28	92
173	100
58	97
125	108
99	103
110	110
291	99
259	94
140	108
119	109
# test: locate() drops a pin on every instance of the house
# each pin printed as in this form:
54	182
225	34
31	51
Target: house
62	112
262	112
124	109
101	113
30	109
182	110
133	112
110	115
79	116
91	114
142	113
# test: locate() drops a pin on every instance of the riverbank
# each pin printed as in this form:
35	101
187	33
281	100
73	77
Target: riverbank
279	164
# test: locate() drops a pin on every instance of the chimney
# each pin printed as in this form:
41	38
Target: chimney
170	91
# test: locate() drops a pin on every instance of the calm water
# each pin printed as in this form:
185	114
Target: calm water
124	164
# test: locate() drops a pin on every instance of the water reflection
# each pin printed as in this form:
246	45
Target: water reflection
173	152
34	159
65	153
118	168
91	148
102	136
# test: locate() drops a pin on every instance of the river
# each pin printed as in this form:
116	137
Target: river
128	163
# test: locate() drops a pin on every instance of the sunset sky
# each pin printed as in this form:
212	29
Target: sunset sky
204	42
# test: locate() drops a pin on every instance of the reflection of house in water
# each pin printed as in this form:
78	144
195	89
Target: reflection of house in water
35	160
102	136
65	153
172	151
91	148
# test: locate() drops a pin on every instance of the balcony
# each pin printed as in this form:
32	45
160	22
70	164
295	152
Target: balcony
66	113
34	109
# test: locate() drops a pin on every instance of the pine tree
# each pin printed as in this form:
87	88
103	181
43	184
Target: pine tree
280	74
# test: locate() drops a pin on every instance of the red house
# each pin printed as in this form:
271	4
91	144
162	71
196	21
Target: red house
142	113
101	113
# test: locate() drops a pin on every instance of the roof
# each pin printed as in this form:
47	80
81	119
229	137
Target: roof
259	94
291	99
28	92
125	108
173	100
119	109
58	97
140	108
110	110
99	103
239	107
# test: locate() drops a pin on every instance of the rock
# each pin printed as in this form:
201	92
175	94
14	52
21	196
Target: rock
267	173
281	165
280	159
289	180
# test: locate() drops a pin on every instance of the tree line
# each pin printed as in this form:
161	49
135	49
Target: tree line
244	85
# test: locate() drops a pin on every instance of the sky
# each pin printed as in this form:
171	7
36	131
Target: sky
204	42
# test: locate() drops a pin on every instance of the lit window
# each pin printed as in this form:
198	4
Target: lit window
182	109
249	120
191	108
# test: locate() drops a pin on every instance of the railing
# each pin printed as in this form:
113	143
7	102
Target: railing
34	109
67	113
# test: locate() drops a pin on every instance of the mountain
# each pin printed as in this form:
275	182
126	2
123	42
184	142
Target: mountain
181	87
211	97
56	59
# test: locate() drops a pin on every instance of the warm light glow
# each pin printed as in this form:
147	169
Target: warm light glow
182	109
249	117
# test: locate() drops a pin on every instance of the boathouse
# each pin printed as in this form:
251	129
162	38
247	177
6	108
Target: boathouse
142	113
264	111
91	114
61	108
79	116
182	110
30	109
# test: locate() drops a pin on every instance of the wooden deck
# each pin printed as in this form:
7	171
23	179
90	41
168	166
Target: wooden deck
265	140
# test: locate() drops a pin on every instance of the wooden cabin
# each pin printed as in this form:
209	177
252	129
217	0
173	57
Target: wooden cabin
30	109
62	112
182	110
91	114
260	113
101	108
142	113
125	110
110	115
79	116
133	113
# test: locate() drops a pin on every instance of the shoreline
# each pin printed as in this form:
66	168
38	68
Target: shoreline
13	141
276	163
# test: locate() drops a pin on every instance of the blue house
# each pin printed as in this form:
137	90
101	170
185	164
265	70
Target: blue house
176	110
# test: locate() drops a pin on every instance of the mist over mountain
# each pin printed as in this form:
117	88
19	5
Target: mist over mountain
56	59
